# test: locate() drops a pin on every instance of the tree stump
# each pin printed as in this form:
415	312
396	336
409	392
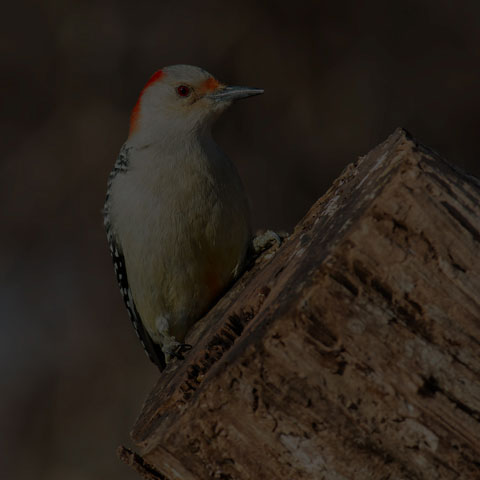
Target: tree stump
352	352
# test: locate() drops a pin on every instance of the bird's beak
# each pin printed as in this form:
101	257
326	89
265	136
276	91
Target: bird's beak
229	94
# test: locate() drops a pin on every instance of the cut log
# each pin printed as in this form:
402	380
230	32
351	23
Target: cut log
352	352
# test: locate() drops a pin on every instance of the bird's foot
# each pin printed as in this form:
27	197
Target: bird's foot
180	349
175	350
268	240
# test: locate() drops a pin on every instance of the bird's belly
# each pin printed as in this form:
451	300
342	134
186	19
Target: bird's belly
178	264
179	294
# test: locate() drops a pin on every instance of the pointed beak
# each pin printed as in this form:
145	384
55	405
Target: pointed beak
229	94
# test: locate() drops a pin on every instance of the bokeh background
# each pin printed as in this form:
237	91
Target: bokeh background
339	77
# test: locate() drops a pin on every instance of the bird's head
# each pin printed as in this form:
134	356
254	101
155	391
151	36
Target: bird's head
179	100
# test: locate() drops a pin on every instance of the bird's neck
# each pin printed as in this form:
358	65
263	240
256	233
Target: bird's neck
172	136
174	148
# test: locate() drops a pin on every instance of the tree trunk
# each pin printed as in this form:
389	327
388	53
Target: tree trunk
352	352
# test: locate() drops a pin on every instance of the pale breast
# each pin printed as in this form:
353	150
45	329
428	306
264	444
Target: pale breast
184	231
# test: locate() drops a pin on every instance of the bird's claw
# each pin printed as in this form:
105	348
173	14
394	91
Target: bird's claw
267	240
179	350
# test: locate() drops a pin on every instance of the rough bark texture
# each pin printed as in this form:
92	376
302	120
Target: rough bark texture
351	353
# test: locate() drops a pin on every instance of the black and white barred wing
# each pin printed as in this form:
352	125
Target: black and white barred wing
152	349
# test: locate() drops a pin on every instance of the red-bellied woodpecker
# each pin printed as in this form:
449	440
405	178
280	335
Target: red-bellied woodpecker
176	213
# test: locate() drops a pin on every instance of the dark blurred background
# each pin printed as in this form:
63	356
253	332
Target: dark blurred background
339	77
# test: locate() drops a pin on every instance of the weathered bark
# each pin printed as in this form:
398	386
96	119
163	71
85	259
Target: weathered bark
352	353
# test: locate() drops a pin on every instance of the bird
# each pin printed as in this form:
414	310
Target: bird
176	213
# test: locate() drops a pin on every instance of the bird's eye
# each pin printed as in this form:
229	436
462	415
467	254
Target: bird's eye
183	91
